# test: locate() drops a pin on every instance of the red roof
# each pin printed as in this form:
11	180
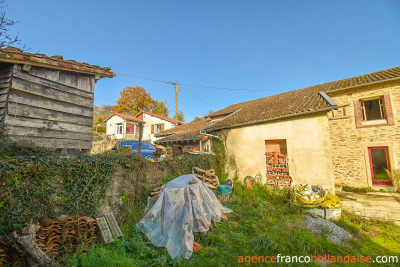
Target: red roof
293	102
15	55
156	115
188	131
124	116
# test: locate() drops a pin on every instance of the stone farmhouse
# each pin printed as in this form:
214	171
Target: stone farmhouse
345	132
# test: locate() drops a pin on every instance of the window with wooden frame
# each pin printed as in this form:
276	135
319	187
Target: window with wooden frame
157	128
373	112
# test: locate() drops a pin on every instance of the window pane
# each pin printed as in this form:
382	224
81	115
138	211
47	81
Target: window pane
131	144
373	109
147	146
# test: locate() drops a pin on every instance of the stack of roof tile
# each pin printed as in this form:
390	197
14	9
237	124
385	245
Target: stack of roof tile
4	251
66	236
9	256
55	238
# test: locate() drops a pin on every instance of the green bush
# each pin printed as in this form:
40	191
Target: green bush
36	185
100	129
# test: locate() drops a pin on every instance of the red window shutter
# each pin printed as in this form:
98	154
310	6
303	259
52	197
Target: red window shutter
388	109
162	127
152	128
357	113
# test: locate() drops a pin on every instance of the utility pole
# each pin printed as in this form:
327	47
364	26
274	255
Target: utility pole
176	102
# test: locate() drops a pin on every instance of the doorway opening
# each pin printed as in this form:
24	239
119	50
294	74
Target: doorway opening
380	165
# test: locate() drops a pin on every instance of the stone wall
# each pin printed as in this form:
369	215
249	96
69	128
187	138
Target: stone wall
102	146
350	140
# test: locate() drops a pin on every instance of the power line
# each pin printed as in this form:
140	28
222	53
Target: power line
145	78
199	98
203	86
155	84
231	89
187	112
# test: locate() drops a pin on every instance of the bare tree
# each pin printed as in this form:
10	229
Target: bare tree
5	38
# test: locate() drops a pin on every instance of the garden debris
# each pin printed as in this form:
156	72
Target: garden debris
314	196
5	250
156	190
223	216
208	177
223	198
225	191
53	238
27	246
196	246
59	237
320	226
104	231
108	228
180	210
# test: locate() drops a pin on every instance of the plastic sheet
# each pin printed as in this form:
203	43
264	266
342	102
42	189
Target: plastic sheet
314	196
180	210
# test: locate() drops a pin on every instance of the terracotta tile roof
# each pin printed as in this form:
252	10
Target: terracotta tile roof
188	131
156	115
124	116
293	102
15	55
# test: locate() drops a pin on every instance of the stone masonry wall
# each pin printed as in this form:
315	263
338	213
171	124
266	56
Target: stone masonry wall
102	146
350	144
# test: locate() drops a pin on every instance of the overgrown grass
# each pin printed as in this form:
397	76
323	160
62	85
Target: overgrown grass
362	190
263	223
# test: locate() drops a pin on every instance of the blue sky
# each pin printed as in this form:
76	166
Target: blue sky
274	46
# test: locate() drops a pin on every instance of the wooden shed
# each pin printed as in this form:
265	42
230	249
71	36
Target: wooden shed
48	100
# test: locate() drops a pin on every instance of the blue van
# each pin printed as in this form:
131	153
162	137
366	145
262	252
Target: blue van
148	150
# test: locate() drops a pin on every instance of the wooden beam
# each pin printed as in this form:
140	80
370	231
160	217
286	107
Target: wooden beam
50	93
56	142
55	85
23	110
34	100
35	132
40	124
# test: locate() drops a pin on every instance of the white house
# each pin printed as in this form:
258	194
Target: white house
154	124
124	126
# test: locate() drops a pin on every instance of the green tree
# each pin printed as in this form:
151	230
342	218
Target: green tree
181	117
159	107
135	99
100	113
197	119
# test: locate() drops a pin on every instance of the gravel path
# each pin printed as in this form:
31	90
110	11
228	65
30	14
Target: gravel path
334	233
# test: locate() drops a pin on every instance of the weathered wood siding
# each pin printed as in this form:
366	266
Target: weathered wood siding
5	83
50	107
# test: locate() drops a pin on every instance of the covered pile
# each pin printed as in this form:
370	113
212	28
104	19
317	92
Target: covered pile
181	208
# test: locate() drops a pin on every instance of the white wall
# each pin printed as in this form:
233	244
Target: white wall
150	120
111	124
308	148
